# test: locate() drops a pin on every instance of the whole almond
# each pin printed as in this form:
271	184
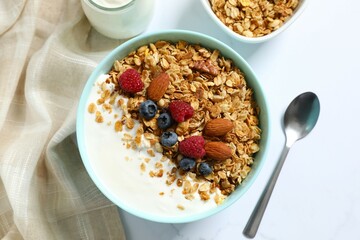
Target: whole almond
217	150
218	127
158	86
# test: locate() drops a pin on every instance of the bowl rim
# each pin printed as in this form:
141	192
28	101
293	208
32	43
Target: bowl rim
298	11
173	36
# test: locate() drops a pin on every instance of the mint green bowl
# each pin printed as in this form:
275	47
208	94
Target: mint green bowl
174	36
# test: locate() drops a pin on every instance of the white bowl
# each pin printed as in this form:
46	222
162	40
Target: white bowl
300	8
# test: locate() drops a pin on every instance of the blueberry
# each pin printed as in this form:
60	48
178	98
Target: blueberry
187	164
168	139
204	169
164	121
148	109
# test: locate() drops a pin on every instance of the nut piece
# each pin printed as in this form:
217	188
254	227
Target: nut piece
218	151
218	127
206	67
158	86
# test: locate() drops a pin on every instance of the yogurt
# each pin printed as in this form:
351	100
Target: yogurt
112	3
126	171
119	19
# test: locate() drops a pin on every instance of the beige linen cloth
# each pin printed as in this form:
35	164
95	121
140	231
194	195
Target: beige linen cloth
47	52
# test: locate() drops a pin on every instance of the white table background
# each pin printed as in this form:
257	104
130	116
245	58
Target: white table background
317	195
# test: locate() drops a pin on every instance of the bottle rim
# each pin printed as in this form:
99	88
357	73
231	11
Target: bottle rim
131	2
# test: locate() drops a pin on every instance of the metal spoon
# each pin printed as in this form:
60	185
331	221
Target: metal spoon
299	119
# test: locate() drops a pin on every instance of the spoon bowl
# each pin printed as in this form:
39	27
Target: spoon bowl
300	118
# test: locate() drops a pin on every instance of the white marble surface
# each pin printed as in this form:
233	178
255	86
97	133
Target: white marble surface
318	192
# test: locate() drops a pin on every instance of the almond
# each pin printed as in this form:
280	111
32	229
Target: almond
217	150
218	127
158	86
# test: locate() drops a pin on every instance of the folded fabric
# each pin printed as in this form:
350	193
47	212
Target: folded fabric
47	52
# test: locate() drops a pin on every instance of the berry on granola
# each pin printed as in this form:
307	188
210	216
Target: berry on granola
192	147
148	109
180	111
130	81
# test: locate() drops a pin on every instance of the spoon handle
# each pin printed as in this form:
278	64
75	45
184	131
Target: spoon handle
259	210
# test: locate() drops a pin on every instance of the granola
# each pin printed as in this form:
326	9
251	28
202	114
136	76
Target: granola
253	18
214	87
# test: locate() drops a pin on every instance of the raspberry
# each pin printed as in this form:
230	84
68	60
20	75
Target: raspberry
192	147
180	111
130	81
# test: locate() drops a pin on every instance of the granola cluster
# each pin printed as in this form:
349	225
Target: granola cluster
213	86
253	18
